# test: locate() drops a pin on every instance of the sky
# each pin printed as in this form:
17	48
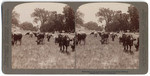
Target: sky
26	9
89	10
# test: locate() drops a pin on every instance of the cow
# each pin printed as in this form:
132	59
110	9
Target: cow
81	37
56	40
16	37
27	33
113	36
63	41
94	33
49	36
137	44
73	43
12	39
40	38
36	34
120	40
100	34
30	34
127	41
104	38
91	33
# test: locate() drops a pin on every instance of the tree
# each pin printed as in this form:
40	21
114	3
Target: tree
119	22
59	23
69	16
54	22
134	18
115	20
78	18
105	14
14	19
40	15
28	26
49	25
92	26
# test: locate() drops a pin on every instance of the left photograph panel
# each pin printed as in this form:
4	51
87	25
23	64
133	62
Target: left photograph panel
43	36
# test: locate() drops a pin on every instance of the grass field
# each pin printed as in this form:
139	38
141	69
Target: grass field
92	55
47	56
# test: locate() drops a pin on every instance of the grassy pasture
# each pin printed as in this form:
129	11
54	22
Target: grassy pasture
29	55
92	55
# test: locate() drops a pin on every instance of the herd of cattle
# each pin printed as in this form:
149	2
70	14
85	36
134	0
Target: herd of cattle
64	41
126	39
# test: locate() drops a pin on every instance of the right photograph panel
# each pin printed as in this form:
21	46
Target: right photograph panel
107	36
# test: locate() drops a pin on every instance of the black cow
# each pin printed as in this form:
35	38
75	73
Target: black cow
63	41
12	39
137	45
48	37
127	41
104	38
113	37
100	34
27	33
120	40
16	37
81	37
56	40
40	38
91	33
35	34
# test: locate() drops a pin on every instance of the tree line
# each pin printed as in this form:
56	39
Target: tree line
49	21
115	20
118	21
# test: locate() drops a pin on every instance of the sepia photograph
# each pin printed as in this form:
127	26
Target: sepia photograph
43	36
107	36
55	36
74	37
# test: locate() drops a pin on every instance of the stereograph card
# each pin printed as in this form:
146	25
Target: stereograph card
74	37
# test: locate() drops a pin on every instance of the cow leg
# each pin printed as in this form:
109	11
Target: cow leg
124	47
16	42
48	39
38	42
60	48
73	48
130	50
113	39
42	41
79	41
66	49
20	42
127	48
63	48
137	48
84	42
